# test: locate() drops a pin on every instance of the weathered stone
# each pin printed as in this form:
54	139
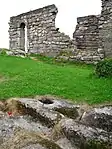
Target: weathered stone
92	35
64	143
62	58
47	122
6	129
37	25
23	139
49	110
48	102
86	137
44	115
37	146
68	112
99	118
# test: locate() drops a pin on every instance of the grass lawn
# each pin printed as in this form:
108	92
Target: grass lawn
21	77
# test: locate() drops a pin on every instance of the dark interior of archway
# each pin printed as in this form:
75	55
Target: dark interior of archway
22	36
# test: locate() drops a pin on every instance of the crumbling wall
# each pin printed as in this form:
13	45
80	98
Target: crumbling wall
105	28
42	35
86	38
87	33
93	34
92	39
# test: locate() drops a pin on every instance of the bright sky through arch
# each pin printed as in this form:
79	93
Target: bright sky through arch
69	10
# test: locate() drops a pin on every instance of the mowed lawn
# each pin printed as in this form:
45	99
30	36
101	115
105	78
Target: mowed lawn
23	77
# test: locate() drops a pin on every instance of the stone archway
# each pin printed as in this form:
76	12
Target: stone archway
23	37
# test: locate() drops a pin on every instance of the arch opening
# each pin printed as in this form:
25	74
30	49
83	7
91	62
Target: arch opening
23	37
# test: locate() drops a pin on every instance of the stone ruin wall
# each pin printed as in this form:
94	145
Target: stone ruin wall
93	34
106	27
92	39
42	35
86	37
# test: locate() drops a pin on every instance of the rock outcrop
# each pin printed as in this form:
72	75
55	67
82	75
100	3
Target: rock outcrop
50	123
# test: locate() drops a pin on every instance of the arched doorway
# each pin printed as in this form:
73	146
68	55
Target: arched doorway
23	37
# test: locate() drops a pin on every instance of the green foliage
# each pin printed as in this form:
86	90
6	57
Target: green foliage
25	77
40	57
66	52
57	61
93	144
3	52
104	68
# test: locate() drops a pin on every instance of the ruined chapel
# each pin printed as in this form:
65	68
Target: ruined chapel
35	32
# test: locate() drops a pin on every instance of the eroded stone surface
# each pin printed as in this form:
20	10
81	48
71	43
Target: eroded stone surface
83	136
24	139
38	146
99	117
65	144
9	124
49	123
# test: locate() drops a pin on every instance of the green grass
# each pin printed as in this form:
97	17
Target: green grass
26	77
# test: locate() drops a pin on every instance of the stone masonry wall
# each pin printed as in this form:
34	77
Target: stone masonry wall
93	34
92	39
105	28
87	32
86	38
42	35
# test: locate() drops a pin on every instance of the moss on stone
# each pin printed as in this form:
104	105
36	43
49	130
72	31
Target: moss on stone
96	145
69	112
